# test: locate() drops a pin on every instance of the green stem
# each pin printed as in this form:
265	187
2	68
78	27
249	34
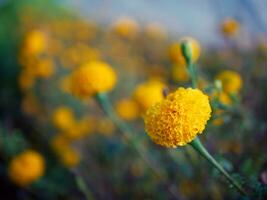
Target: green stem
126	131
83	187
197	145
192	73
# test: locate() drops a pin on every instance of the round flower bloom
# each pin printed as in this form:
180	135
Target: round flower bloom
231	81
63	118
69	157
91	78
126	27
229	27
176	52
178	119
26	168
35	42
127	109
45	68
148	93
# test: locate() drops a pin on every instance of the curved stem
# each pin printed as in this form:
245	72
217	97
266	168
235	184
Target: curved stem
126	131
192	73
197	145
83	187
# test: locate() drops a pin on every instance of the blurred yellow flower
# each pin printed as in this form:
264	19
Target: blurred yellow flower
127	109
91	78
148	93
231	81
63	118
45	68
179	73
69	157
26	168
176	52
126	27
230	27
59	143
35	42
178	119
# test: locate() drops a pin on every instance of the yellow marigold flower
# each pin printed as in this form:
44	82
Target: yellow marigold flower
148	93
179	73
225	99
176	52
91	78
59	143
178	119
126	27
127	109
230	27
35	42
231	81
69	157
45	68
63	118
26	168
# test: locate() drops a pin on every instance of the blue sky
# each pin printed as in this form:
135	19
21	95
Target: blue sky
198	18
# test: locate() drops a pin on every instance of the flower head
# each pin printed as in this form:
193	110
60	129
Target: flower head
91	78
230	27
148	93
178	119
26	168
231	81
63	118
126	27
127	109
176	51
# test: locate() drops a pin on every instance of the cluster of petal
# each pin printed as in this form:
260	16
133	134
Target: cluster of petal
178	119
176	52
231	81
26	168
91	78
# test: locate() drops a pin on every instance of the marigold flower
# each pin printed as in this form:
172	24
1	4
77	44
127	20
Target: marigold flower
91	78
126	27
178	119
63	118
26	168
35	42
69	157
148	93
127	109
176	51
231	81
230	27
45	68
